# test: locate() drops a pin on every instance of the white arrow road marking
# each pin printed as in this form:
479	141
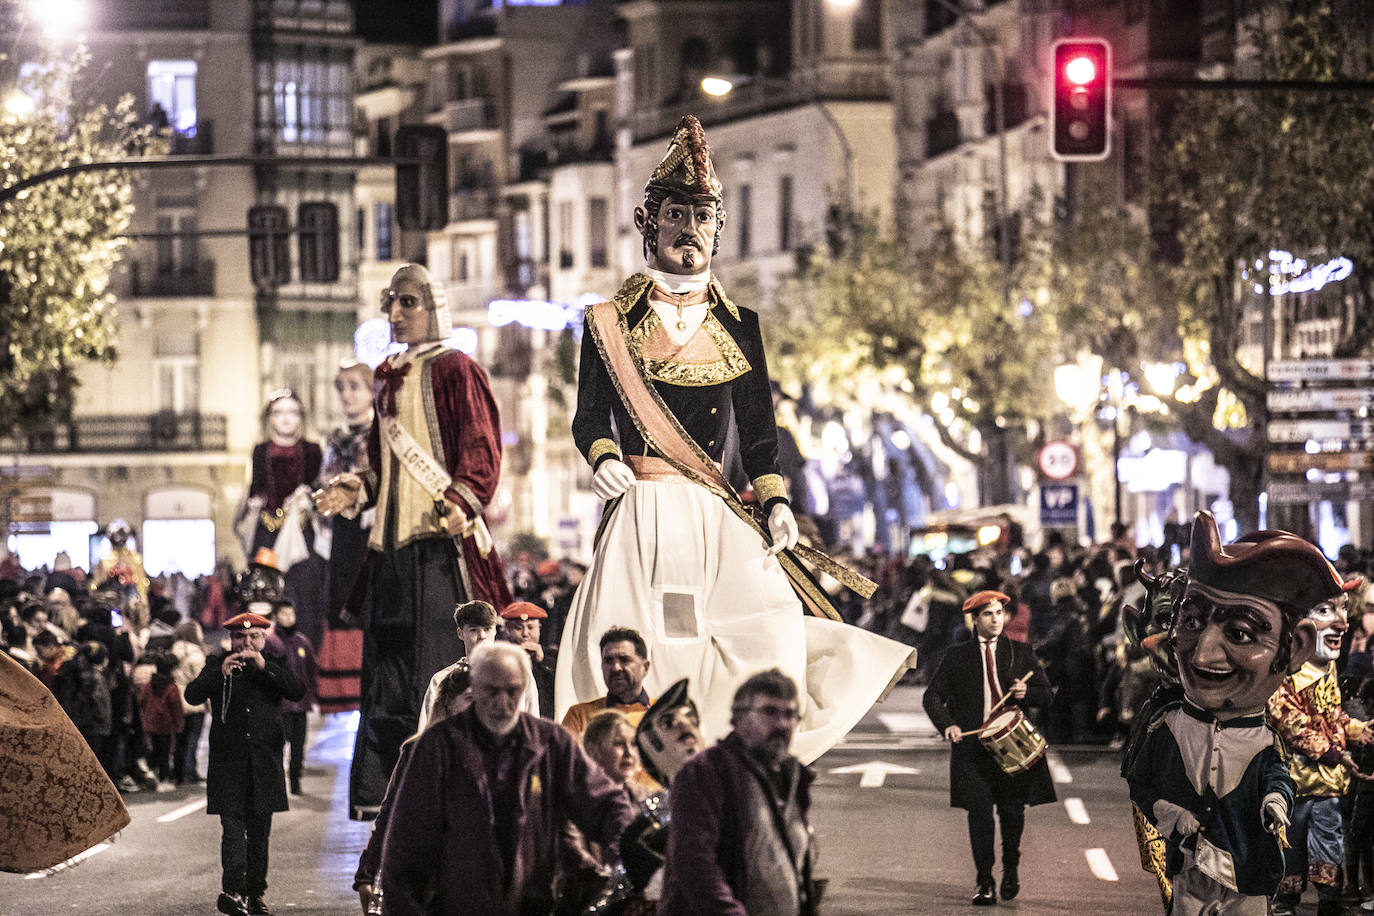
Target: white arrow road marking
178	813
1100	864
1078	813
1058	772
875	772
74	860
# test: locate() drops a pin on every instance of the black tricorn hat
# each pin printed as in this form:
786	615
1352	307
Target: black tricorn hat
672	698
1276	565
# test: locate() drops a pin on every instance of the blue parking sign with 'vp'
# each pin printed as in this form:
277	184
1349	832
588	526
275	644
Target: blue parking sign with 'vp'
1058	503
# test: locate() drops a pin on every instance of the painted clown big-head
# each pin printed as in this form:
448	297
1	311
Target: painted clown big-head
1243	624
416	307
684	207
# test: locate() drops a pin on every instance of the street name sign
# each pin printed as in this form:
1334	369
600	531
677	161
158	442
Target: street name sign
1302	430
1321	370
1305	491
1301	462
1302	400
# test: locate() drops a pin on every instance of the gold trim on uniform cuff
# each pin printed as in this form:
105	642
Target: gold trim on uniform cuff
600	448
769	486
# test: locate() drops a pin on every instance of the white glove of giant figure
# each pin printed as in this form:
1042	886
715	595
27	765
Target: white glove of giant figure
612	479
782	525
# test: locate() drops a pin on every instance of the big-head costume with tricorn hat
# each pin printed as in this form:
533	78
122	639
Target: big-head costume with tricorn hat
434	456
1208	776
670	368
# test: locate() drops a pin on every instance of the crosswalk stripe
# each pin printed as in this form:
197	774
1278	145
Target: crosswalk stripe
1058	772
1101	864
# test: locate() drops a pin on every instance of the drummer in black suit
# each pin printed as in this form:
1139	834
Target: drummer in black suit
967	686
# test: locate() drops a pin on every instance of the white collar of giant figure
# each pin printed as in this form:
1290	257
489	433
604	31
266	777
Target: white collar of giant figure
686	167
680	283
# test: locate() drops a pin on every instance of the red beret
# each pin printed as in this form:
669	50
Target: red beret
246	621
976	601
548	568
523	610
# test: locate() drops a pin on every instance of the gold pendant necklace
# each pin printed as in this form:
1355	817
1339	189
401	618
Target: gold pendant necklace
681	323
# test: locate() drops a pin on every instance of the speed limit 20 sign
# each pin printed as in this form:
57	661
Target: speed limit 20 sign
1058	460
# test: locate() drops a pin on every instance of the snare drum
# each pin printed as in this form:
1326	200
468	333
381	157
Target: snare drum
1012	740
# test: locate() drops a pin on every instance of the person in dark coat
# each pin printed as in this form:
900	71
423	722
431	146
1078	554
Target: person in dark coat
301	662
245	783
959	699
478	808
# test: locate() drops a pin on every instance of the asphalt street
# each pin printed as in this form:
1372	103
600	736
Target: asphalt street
889	842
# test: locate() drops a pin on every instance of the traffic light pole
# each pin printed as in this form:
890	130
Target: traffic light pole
143	163
1230	85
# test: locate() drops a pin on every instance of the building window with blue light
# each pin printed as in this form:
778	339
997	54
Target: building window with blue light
386	215
172	96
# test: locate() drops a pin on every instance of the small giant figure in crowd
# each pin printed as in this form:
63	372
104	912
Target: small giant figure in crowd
974	681
1306	711
122	570
477	811
345	452
245	784
434	460
1207	774
667	368
277	513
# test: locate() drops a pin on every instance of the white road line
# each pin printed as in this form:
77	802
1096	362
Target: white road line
1100	864
1058	772
179	813
74	860
1078	812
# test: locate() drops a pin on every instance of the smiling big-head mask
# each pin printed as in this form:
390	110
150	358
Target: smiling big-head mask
1242	624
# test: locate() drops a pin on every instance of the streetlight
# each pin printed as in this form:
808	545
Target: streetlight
60	19
719	86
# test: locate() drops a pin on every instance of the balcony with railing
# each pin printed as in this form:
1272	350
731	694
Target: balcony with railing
199	140
157	432
462	116
472	203
196	279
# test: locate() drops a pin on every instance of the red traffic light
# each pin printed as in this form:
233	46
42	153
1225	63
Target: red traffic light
1080	70
1081	95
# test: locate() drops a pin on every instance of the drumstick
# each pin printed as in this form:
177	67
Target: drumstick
1021	680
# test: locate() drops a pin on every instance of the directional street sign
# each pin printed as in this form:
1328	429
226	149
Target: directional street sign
1303	400
875	772
1302	430
1304	491
1321	370
1300	462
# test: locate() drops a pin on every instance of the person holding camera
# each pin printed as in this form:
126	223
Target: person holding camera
245	784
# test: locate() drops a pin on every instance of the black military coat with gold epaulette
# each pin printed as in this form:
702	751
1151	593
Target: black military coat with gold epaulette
721	372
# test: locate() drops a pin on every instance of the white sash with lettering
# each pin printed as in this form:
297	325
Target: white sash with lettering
428	473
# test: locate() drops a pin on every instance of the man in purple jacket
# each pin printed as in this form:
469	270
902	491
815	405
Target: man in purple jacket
480	802
740	842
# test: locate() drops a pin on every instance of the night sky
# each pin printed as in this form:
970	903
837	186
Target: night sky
415	21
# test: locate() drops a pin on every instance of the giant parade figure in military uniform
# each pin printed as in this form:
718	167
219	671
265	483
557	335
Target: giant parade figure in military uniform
716	586
434	460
